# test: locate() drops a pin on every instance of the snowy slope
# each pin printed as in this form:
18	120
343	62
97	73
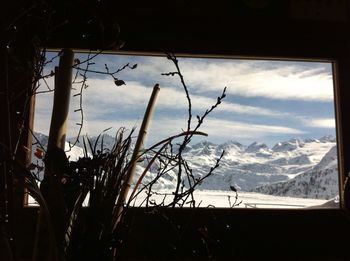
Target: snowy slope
319	182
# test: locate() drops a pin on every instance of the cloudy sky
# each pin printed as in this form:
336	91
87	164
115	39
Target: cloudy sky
267	101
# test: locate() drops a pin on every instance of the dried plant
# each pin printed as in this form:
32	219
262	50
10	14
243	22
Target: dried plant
98	230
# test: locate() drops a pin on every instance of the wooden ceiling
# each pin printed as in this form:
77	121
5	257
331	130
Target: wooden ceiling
307	28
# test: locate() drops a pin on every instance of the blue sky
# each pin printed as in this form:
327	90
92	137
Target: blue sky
267	101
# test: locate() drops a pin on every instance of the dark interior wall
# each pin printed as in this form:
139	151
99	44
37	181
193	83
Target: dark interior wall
201	27
240	234
292	29
221	234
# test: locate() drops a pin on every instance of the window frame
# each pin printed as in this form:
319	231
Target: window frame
336	91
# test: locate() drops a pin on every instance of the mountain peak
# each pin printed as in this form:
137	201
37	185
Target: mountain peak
256	147
289	145
327	138
203	144
231	145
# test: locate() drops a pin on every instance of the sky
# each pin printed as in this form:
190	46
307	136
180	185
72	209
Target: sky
266	101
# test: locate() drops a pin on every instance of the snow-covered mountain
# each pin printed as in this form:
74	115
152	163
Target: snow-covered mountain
319	182
303	168
248	167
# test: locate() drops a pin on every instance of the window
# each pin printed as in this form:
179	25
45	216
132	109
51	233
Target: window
276	123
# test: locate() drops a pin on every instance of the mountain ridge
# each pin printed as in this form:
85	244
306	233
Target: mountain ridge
256	167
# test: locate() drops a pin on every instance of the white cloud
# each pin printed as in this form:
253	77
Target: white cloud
253	80
230	129
97	126
221	130
320	123
103	96
272	79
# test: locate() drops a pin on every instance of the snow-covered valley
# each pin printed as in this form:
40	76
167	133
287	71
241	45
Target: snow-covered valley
225	199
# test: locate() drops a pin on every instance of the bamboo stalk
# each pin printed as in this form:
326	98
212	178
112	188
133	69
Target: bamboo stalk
63	86
46	249
139	144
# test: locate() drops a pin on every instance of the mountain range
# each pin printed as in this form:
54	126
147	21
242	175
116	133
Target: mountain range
304	168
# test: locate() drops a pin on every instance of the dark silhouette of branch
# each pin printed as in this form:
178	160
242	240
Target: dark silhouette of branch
107	72
175	61
181	166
